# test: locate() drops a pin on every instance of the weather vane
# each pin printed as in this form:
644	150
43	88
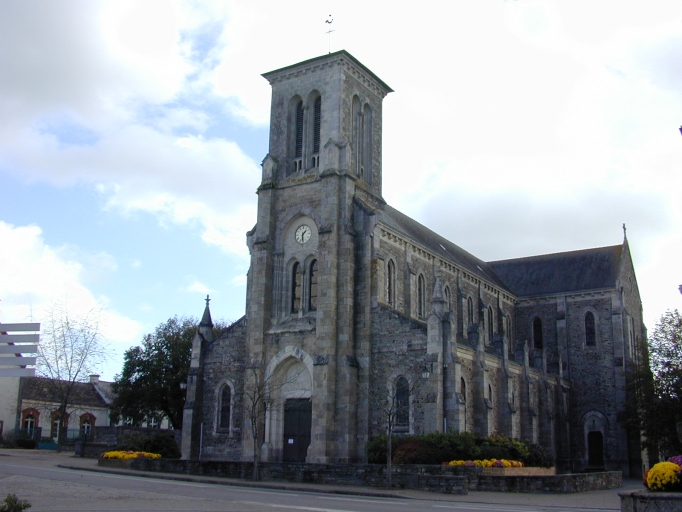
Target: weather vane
329	32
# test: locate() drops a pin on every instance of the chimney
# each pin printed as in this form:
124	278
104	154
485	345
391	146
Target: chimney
94	379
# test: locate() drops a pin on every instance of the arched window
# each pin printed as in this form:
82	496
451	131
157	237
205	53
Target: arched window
402	402
537	333
590	331
508	333
30	421
317	124
357	138
491	329
366	170
470	312
490	393
298	136
312	285
87	422
225	408
463	388
390	282
421	296
296	281
446	297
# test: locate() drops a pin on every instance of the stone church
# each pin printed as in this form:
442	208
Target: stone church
351	304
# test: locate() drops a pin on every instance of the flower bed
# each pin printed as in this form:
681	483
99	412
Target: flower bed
128	455
487	463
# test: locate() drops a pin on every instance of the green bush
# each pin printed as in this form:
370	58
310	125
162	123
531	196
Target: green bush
13	504
161	442
27	444
438	447
538	456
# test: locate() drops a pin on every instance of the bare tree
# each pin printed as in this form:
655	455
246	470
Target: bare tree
260	392
392	401
71	348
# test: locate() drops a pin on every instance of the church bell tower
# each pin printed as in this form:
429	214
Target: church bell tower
324	158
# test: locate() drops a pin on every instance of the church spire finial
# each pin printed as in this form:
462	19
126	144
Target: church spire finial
625	233
206	319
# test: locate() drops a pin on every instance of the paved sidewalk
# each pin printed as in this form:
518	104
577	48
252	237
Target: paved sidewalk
608	500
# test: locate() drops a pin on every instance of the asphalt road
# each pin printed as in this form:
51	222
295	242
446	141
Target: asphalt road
50	488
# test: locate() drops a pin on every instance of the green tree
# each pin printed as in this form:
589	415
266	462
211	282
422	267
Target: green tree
152	373
654	405
665	353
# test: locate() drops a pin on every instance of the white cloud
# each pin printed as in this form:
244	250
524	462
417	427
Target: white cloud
34	276
198	286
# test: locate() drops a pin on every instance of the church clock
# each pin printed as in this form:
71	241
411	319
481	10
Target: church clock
303	234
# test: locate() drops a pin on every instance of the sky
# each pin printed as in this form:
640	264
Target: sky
132	132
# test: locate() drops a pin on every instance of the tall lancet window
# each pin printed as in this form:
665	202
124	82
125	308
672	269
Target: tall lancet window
470	312
298	145
446	297
421	296
366	162
491	328
296	282
537	333
402	403
312	295
390	282
357	138
590	331
317	124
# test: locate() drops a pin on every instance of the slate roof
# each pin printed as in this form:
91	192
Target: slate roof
38	388
573	271
435	243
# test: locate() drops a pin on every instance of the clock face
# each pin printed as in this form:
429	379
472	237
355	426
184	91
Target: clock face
303	234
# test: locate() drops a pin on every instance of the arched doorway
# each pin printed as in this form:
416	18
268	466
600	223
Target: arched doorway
595	449
289	411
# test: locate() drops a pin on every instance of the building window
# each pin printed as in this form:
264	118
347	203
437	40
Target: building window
296	282
463	387
30	421
317	123
421	296
153	421
590	331
225	408
298	144
390	282
537	333
470	312
446	297
402	403
508	333
87	422
312	287
366	169
491	330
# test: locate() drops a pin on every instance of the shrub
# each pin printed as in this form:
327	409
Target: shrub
161	442
538	456
13	504
28	444
417	451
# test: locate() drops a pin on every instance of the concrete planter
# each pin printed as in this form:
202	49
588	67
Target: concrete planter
647	501
115	463
518	471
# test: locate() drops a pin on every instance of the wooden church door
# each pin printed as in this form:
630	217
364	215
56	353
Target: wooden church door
298	415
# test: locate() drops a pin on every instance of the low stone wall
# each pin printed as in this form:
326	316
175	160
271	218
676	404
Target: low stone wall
447	479
646	501
563	484
427	478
